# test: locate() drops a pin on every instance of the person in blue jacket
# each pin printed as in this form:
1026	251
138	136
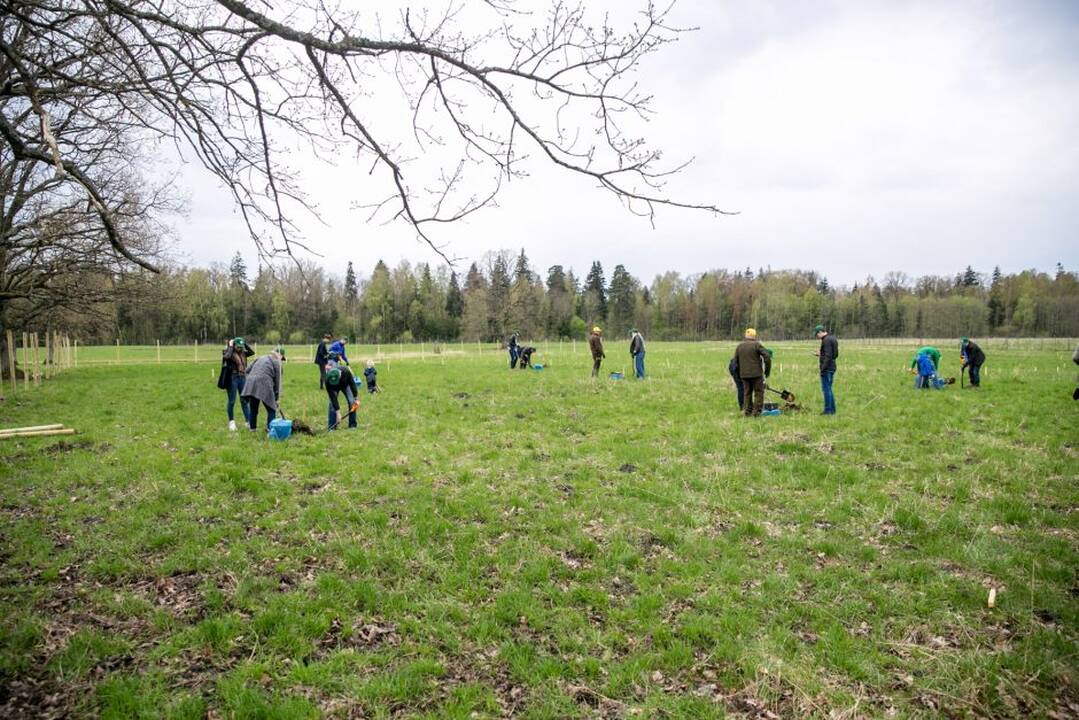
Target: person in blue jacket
338	348
927	374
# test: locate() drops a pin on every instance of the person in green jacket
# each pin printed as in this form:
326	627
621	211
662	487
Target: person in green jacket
933	354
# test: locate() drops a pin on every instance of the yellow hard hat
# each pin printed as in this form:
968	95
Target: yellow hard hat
751	332
596	330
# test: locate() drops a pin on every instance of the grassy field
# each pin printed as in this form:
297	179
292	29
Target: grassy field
537	544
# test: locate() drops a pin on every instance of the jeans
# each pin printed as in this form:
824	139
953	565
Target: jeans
638	364
975	375
923	382
321	375
253	418
826	379
513	357
235	387
331	418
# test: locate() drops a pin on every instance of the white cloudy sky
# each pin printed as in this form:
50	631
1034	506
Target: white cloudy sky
854	138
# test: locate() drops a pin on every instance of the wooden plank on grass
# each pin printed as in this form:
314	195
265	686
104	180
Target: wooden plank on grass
38	433
31	428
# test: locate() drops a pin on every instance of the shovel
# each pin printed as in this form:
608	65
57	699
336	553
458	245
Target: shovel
787	395
962	376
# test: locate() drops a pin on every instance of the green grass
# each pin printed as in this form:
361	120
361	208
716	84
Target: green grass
540	545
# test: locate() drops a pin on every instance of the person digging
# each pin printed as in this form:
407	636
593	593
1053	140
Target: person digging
973	358
754	365
339	381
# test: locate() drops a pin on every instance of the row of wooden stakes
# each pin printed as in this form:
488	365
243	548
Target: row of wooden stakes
40	360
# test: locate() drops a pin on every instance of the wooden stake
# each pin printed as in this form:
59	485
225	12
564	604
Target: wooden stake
37	359
38	433
76	353
25	362
196	351
11	361
31	428
117	351
158	352
48	356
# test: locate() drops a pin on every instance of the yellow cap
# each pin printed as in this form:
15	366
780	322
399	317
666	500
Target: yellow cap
751	333
596	330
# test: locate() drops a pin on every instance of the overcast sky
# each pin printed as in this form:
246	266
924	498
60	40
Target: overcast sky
854	138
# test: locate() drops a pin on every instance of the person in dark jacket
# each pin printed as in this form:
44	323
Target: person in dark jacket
263	385
514	350
829	351
732	368
322	356
973	358
595	345
370	374
754	365
525	357
636	351
339	380
233	374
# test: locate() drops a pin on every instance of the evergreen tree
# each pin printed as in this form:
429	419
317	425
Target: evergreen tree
378	304
595	285
623	298
351	290
455	302
238	271
970	278
498	293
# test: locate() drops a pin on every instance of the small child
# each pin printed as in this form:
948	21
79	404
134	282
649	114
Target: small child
370	373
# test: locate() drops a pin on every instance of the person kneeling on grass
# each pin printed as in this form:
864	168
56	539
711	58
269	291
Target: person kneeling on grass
525	357
370	374
339	380
927	374
263	385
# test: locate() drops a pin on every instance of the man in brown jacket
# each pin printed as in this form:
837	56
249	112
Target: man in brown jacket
754	364
595	343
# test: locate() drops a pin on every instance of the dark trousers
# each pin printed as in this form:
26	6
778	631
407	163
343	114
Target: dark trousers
975	375
595	366
321	376
754	395
741	389
253	417
513	357
235	387
826	388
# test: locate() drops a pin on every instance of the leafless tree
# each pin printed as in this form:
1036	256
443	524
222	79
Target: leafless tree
241	83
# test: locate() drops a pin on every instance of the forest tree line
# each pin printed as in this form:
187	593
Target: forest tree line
503	293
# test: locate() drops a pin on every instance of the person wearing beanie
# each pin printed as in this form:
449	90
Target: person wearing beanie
754	365
339	380
263	385
233	375
636	351
595	344
829	351
973	358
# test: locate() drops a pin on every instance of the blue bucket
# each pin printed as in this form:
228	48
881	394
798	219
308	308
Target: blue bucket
537	367
777	411
617	376
280	429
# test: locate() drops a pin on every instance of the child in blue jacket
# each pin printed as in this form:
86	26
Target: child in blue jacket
370	374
